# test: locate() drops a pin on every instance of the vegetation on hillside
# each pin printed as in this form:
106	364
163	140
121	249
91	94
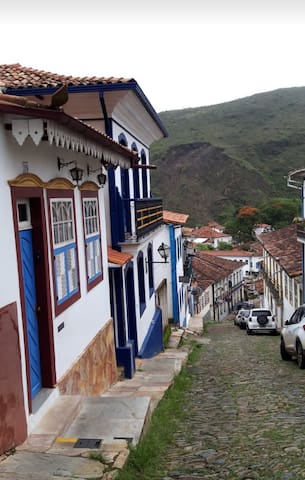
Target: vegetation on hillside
278	213
221	157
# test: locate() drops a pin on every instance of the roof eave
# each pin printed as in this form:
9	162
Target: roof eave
69	121
133	85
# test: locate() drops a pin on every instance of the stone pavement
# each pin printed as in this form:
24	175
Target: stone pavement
88	437
246	412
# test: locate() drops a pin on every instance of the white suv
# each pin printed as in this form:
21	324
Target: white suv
293	337
260	320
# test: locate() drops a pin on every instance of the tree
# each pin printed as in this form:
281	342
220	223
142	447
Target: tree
279	212
224	246
246	218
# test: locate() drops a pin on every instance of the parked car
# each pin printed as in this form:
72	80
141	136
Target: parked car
293	337
243	318
240	305
240	318
260	320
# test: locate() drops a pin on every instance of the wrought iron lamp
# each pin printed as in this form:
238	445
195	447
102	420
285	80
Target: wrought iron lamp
75	172
163	251
101	177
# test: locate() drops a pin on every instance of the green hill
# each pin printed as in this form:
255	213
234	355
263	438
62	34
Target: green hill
220	157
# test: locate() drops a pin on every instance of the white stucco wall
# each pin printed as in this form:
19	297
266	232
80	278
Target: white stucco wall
161	271
85	317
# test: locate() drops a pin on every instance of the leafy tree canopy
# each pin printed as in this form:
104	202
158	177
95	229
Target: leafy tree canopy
277	212
224	246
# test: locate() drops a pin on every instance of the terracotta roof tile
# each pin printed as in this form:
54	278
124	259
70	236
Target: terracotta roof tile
282	245
173	217
208	232
118	258
17	76
207	268
231	253
216	225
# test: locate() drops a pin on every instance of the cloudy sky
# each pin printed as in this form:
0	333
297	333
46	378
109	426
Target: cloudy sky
182	53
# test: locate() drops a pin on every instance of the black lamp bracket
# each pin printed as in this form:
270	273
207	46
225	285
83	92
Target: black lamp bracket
61	163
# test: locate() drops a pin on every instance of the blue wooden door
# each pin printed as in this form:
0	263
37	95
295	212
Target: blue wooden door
29	286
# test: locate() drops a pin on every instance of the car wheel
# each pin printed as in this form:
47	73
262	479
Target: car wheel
300	356
284	354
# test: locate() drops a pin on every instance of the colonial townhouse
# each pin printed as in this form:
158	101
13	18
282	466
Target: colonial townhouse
282	272
179	300
57	333
139	256
219	279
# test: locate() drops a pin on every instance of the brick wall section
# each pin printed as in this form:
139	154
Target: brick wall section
95	370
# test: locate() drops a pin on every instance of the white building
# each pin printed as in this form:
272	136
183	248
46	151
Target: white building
282	271
103	292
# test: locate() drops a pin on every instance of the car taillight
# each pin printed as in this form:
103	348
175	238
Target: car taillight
304	327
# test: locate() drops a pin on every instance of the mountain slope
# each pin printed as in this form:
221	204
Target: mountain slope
220	157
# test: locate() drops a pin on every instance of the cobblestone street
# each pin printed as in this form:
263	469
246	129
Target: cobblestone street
246	412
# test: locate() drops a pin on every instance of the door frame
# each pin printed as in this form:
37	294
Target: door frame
42	275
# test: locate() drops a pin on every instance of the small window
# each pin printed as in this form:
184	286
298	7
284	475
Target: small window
92	240
24	214
64	245
66	275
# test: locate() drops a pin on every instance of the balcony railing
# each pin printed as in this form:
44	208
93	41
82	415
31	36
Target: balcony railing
149	215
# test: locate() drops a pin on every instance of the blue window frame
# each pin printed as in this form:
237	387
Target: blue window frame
92	235
136	179
141	282
144	175
123	140
66	278
66	275
150	270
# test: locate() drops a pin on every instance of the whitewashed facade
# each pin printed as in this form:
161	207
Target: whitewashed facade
53	252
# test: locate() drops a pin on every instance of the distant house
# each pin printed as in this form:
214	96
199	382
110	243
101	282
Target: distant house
219	279
262	228
282	272
210	236
216	226
252	259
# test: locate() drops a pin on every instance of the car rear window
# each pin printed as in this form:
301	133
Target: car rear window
258	313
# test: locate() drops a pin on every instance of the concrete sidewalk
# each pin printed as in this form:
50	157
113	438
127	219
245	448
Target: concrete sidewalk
77	431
